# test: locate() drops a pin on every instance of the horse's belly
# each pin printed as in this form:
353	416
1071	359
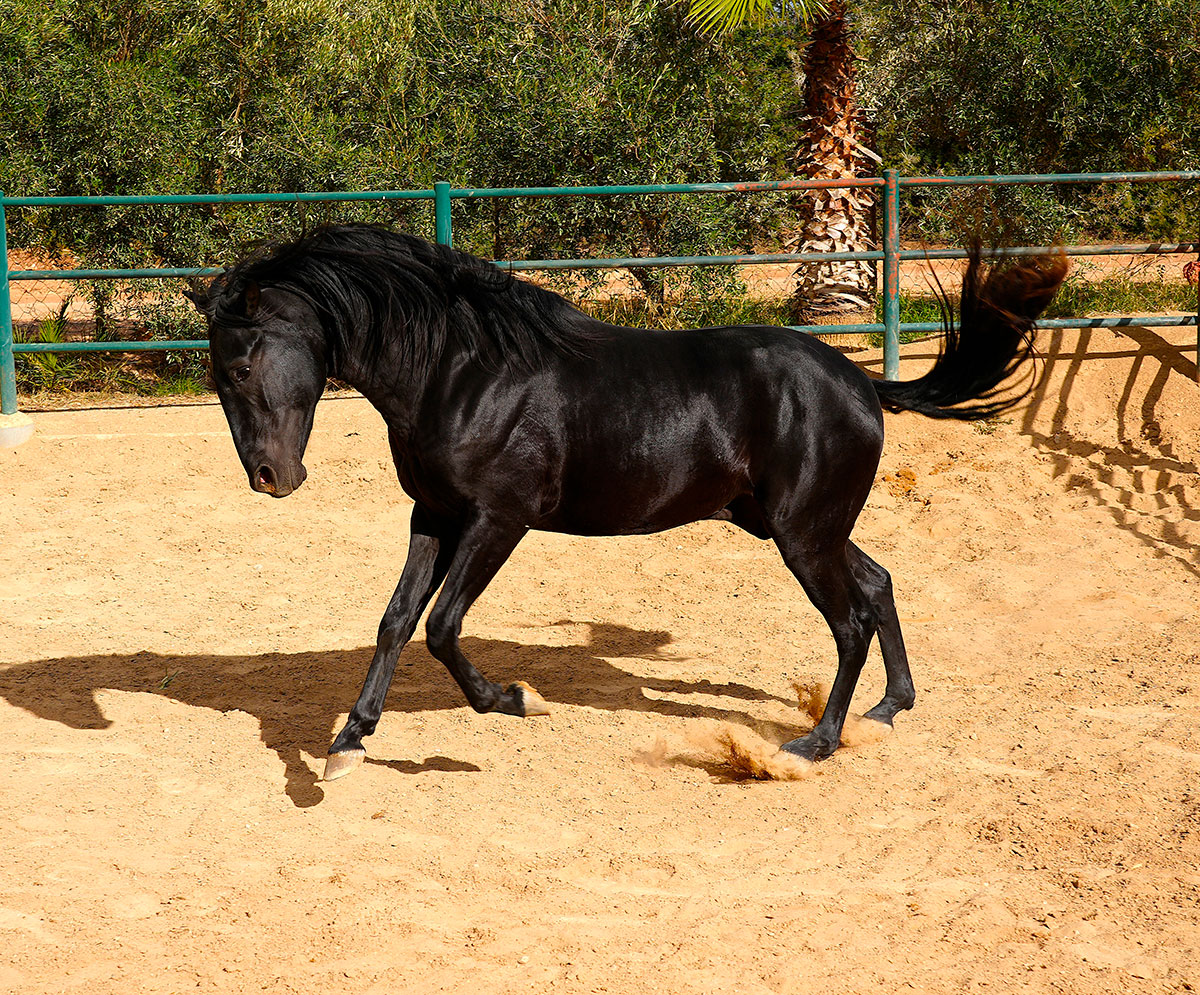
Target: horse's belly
637	503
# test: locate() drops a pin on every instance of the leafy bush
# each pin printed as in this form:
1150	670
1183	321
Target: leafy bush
183	96
192	96
1040	86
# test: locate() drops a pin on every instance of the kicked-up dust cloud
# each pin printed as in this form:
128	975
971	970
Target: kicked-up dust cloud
743	754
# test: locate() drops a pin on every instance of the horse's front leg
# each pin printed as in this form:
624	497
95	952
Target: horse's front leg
430	551
482	549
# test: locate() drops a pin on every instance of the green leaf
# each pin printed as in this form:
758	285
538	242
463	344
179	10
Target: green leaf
721	17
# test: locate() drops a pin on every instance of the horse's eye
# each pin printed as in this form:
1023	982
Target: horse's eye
241	373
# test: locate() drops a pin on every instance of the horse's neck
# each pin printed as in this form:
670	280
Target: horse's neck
390	384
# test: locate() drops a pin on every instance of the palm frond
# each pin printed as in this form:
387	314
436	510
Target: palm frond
721	17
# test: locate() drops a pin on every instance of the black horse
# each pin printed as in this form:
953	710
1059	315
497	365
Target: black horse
508	410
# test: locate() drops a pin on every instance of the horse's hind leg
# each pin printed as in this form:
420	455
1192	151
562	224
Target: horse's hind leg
877	584
829	580
484	546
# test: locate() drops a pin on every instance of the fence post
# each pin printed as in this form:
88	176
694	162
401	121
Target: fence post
8	370
15	427
891	274
441	213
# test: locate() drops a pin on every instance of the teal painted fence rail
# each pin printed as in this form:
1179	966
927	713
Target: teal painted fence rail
443	195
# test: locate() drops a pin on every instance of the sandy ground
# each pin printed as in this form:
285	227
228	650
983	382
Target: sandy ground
177	651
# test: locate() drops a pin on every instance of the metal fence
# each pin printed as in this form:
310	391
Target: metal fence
889	255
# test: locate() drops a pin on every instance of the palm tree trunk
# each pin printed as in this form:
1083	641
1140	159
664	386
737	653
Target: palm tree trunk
837	220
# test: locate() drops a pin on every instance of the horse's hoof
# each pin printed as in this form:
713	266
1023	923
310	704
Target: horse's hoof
808	748
532	702
883	718
340	764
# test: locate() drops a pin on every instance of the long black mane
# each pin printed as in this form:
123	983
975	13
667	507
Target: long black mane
376	289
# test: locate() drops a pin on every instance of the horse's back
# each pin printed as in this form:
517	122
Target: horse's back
764	382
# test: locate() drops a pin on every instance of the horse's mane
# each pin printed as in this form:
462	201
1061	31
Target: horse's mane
377	289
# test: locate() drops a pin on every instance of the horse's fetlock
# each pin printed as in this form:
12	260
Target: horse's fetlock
486	699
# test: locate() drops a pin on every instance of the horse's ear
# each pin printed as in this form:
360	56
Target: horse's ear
250	300
199	299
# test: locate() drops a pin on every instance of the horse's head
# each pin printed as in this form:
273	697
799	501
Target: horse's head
268	361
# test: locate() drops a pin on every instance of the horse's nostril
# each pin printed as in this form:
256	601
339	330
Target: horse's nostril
265	477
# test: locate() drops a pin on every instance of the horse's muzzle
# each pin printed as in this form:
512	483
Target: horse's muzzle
267	480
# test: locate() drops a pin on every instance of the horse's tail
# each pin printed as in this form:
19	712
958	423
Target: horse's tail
993	338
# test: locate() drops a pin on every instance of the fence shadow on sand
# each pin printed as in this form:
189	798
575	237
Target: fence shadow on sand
1135	380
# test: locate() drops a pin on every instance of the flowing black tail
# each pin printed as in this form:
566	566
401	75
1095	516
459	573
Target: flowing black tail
993	338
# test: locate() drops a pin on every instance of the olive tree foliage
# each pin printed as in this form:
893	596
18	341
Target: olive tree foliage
196	96
1039	86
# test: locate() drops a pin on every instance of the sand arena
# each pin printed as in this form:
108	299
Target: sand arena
177	652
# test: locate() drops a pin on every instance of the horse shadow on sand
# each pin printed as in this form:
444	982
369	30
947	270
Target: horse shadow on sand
298	697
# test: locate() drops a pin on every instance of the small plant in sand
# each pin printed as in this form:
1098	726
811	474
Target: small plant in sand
988	426
48	370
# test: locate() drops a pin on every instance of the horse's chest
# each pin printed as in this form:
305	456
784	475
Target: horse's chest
426	485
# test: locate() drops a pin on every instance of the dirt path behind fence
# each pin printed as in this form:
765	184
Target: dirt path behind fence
33	301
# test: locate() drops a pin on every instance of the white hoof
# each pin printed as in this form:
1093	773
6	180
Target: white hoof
531	701
340	764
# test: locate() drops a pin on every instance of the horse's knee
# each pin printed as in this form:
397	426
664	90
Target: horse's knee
874	579
884	581
441	635
394	628
864	620
856	629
